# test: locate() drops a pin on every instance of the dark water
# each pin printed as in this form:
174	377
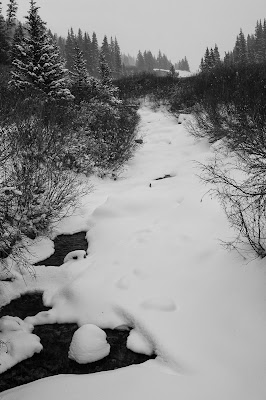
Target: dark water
56	338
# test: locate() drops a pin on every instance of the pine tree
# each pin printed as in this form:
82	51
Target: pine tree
117	60
159	60
4	42
259	43
95	55
207	60
17	42
112	54
38	64
105	50
87	50
80	40
250	48
228	58
240	49
69	49
140	64
61	43
105	72
11	14
79	76
216	55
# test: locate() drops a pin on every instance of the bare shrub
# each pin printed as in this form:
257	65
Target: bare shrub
240	187
34	188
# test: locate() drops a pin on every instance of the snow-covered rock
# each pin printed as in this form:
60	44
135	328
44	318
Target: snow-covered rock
75	255
8	323
139	343
88	345
17	343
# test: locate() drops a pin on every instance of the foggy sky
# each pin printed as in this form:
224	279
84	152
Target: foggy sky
177	28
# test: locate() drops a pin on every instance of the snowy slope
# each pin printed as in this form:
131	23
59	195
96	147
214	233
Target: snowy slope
155	264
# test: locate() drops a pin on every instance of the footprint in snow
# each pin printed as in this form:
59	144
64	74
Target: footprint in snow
159	304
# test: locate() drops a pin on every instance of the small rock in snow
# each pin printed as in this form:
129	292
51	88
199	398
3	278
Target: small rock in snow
88	345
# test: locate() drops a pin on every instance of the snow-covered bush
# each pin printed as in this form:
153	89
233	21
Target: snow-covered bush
35	187
110	131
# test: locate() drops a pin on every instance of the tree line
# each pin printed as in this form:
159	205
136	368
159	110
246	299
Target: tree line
147	62
247	50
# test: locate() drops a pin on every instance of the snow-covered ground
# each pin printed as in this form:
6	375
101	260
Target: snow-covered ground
155	264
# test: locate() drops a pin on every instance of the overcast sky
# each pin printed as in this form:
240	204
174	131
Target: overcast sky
178	28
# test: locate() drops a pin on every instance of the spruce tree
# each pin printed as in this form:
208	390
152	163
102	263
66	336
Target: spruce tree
240	49
104	70
259	43
11	13
140	64
17	42
159	60
79	76
117	60
216	55
87	52
105	50
112	53
38	64
69	49
95	55
80	40
4	42
149	61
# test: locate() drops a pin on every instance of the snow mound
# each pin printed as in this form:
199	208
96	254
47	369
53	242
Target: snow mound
88	345
138	343
17	343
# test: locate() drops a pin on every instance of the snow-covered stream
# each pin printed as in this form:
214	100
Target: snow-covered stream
155	264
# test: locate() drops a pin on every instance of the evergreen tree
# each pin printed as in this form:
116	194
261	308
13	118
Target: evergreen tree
250	48
172	71
112	53
79	76
211	59
140	64
259	43
159	60
117	60
69	49
17	42
166	64
79	40
104	70
4	42
105	50
61	43
38	64
95	55
240	49
183	65
87	49
216	54
207	61
11	13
